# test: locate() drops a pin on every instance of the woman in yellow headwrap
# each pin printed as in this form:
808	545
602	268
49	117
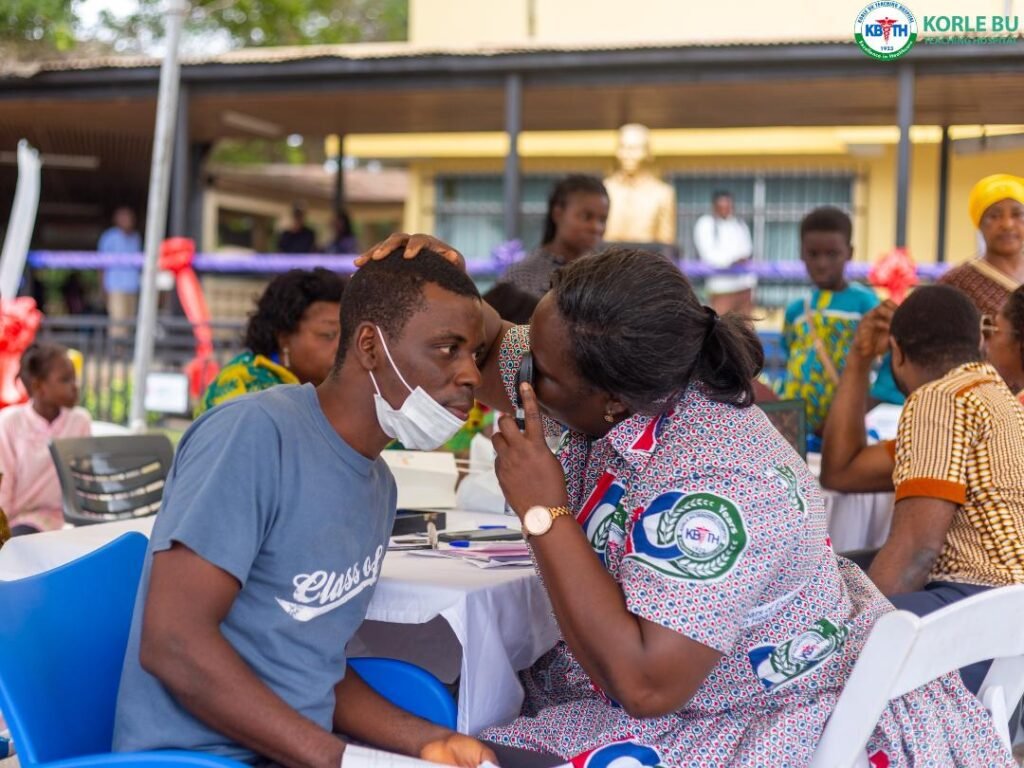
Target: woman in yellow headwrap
996	206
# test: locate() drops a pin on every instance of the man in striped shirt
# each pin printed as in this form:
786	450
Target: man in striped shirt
957	464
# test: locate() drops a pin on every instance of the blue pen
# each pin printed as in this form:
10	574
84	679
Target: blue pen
492	527
459	543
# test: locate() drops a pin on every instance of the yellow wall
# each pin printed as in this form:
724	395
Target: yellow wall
869	152
460	22
566	22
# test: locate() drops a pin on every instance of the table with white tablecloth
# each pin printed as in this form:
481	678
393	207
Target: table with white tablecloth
855	520
482	626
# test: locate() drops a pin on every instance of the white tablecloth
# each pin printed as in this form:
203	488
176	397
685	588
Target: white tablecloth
855	520
499	621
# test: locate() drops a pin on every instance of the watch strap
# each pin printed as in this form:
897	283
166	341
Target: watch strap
557	512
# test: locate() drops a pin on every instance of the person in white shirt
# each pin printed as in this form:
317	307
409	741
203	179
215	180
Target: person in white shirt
723	241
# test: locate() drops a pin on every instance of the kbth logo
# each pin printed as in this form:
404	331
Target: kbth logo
885	30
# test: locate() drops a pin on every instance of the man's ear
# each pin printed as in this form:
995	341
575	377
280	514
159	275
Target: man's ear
898	357
366	346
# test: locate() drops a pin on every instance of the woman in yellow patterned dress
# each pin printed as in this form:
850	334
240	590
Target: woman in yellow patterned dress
291	338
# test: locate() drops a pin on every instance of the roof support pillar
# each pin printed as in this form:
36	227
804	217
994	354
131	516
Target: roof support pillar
905	115
940	239
512	185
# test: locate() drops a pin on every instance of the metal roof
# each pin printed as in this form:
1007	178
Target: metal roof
105	107
355	51
380	88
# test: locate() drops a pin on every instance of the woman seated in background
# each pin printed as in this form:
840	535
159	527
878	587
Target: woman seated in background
1005	342
291	338
30	490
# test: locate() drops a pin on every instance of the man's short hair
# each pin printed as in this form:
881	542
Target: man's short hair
827	219
390	291
718	194
938	328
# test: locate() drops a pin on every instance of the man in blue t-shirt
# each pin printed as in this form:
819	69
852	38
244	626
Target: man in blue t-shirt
275	520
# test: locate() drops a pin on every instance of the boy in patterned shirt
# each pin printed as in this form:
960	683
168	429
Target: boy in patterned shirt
958	523
819	327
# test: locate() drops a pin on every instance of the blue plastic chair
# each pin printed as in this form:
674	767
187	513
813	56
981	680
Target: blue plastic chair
409	687
774	357
63	635
156	759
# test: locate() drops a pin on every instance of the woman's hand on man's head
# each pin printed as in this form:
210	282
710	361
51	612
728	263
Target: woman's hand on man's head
413	244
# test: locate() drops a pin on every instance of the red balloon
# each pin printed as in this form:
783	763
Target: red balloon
176	255
896	272
193	301
19	320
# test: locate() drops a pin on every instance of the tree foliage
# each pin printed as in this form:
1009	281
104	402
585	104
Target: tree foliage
46	25
251	23
40	28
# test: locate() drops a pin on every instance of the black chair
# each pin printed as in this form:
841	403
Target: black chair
117	477
789	417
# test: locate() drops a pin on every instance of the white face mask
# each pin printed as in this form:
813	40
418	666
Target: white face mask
422	423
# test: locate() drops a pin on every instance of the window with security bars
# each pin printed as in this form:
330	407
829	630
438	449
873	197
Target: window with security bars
772	204
468	211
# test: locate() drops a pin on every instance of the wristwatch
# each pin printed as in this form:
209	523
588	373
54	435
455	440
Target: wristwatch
538	520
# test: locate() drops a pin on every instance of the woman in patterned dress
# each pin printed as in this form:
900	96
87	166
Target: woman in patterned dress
702	609
996	207
682	541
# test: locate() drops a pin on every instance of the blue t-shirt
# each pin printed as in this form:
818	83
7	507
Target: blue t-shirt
884	387
120	279
265	489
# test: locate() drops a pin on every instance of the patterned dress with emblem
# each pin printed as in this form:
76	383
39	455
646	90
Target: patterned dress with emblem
713	527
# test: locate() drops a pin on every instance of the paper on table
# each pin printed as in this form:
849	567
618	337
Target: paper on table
363	757
500	563
488	556
425	479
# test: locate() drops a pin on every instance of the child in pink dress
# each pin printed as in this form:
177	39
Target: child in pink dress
30	491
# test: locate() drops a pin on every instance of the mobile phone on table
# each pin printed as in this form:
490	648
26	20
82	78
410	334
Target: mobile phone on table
525	376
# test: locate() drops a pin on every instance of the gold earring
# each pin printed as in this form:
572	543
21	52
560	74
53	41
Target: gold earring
286	358
609	418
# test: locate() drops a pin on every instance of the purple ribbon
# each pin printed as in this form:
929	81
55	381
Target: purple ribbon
501	257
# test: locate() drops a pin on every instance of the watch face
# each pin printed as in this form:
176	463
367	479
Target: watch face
537	520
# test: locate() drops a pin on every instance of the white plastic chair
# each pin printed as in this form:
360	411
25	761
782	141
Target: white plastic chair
905	651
